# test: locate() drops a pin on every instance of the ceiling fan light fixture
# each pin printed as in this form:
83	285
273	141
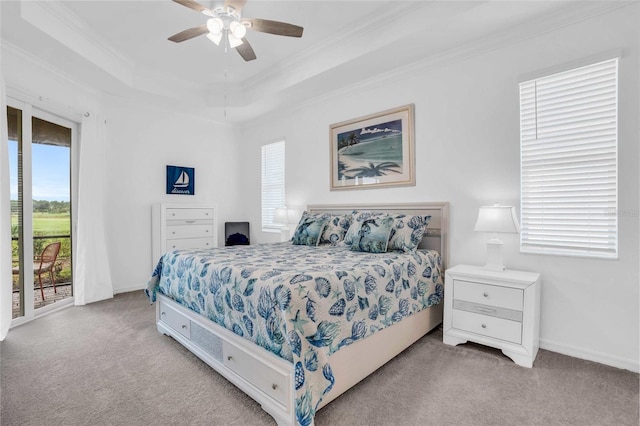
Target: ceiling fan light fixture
234	41
215	25
215	38
237	29
208	13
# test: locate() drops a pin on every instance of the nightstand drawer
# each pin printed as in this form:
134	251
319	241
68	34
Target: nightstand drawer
485	294
491	311
497	328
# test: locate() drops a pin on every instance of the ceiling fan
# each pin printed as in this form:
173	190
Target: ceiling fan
226	24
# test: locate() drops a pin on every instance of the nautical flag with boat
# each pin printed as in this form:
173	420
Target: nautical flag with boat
181	180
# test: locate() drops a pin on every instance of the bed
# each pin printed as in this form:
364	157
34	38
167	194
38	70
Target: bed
294	327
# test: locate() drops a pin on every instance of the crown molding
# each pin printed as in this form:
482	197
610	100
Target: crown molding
372	23
573	13
60	23
15	54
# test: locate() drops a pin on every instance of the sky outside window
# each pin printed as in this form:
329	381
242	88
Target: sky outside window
50	171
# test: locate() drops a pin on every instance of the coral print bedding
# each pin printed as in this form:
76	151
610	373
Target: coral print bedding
300	302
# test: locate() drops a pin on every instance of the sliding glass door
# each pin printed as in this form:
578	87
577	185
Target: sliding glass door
40	158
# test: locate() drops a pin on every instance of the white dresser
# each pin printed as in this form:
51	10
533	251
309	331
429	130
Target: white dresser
497	309
182	226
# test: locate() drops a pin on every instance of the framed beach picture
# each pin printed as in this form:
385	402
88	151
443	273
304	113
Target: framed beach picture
181	180
373	151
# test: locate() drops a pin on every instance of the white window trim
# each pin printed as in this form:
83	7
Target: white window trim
577	216
272	190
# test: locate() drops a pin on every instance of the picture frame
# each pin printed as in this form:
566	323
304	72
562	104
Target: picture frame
374	151
181	180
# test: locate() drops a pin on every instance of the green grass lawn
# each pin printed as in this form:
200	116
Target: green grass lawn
48	223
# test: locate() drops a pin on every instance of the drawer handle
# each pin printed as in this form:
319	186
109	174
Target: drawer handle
207	231
163	314
173	214
482	309
229	358
184	326
485	294
190	221
173	232
484	325
274	386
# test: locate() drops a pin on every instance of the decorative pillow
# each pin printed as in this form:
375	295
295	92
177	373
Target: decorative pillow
407	232
310	229
336	228
357	217
372	235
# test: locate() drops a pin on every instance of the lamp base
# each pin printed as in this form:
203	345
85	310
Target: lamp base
285	234
494	255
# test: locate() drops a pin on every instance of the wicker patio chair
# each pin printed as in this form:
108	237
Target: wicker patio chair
45	263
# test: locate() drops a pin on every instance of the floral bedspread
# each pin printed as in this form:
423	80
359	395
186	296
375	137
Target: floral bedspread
301	303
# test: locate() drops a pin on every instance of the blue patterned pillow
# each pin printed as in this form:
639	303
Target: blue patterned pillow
336	229
357	217
372	235
310	229
407	232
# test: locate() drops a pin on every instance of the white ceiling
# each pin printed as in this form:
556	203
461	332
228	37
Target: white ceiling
121	47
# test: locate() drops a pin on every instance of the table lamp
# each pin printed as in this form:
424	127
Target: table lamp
496	219
285	216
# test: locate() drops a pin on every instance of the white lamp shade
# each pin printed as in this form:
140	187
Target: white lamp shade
215	25
500	219
285	215
234	41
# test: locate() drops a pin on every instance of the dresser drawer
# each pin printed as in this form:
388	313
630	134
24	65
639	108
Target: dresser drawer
265	378
189	231
189	214
189	243
175	320
497	328
492	295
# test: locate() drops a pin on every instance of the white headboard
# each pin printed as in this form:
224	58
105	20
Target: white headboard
436	236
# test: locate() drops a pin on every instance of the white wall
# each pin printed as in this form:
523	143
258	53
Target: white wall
467	153
143	140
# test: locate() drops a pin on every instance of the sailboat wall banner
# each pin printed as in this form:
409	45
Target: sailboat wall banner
181	180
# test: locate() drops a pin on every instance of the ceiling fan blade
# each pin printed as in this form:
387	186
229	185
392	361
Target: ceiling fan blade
246	51
275	27
189	34
236	4
191	4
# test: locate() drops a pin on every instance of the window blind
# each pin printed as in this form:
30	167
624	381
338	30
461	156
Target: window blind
272	183
569	162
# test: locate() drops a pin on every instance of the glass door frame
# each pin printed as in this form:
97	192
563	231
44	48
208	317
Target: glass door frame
28	112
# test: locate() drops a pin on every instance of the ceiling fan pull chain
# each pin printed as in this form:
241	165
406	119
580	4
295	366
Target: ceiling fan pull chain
225	84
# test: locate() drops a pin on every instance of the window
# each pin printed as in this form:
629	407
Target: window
272	184
569	162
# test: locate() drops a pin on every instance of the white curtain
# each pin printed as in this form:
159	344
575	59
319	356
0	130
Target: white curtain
92	275
5	219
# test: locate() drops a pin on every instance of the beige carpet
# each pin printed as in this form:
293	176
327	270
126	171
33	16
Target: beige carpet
105	364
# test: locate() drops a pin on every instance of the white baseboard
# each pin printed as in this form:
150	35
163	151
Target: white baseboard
589	355
133	287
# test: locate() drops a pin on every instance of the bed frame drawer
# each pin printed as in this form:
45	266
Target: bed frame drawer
268	380
175	320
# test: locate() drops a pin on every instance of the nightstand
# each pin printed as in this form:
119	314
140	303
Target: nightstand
500	309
